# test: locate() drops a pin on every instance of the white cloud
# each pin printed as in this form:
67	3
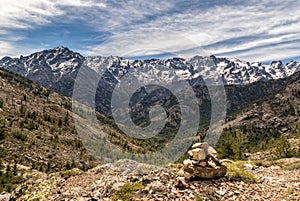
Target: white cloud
270	24
145	42
26	14
226	22
5	47
148	27
80	3
276	52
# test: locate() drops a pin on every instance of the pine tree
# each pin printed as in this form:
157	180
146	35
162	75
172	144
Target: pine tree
68	166
73	164
48	167
1	102
15	169
283	149
1	167
7	171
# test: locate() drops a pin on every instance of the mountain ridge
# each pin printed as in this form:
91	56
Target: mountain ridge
61	61
57	69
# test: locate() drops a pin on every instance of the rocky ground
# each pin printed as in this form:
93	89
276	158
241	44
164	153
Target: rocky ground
170	183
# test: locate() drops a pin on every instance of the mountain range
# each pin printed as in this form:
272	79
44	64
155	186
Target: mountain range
51	66
244	82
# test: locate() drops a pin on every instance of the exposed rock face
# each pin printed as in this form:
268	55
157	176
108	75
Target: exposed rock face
204	163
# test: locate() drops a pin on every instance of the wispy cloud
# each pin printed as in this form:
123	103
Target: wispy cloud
254	30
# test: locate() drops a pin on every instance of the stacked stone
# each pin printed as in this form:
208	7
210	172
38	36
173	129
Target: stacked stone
203	162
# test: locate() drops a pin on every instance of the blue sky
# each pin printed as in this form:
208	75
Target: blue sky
255	30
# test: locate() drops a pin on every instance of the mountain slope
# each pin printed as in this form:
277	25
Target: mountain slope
280	110
272	124
37	127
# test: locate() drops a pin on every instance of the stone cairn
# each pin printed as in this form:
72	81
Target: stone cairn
204	163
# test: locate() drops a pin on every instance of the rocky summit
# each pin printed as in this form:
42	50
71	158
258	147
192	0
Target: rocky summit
204	162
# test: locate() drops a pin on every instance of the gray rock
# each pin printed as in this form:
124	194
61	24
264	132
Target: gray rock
206	172
249	167
211	150
180	183
221	192
5	197
198	154
155	187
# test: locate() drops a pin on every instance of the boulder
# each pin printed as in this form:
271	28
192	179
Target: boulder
5	197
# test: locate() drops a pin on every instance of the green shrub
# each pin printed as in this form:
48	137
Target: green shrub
289	191
292	166
283	149
237	173
263	163
11	177
125	192
2	133
68	173
198	198
19	135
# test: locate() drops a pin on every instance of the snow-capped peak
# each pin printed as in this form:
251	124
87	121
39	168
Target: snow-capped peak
56	63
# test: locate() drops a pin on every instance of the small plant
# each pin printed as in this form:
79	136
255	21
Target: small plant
289	191
1	102
2	133
198	198
292	166
236	173
19	135
263	163
125	192
68	173
23	110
